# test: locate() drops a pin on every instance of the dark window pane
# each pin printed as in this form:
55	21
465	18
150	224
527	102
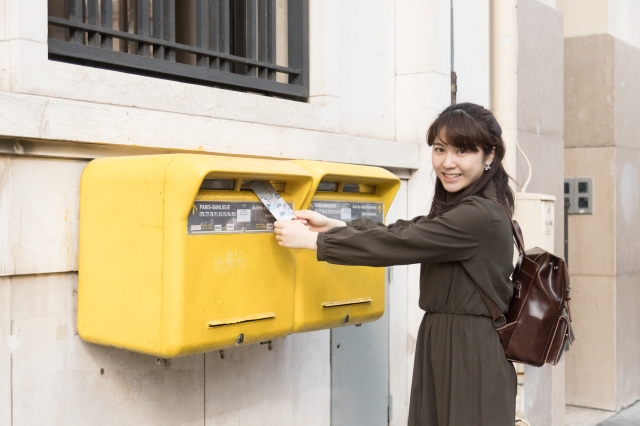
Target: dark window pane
567	188
583	187
583	203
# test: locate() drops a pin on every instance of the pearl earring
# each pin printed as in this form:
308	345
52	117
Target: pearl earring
487	166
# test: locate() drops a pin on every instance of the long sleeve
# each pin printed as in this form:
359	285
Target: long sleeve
364	224
453	236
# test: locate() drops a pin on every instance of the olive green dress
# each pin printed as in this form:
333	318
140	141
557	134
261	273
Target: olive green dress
460	375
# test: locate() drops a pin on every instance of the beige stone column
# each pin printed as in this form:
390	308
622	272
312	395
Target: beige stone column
602	93
540	104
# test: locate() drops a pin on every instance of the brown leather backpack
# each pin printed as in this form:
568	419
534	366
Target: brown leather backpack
537	327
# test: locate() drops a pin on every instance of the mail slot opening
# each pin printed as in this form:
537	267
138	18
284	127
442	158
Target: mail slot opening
348	302
327	187
279	186
240	320
358	187
218	184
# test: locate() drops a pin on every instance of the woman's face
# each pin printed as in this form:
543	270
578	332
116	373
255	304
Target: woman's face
457	168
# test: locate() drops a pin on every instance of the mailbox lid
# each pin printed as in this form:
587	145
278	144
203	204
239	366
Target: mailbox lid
385	184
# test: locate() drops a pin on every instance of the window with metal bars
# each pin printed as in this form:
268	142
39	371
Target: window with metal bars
251	45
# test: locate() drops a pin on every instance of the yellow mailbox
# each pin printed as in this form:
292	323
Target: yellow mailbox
177	255
329	295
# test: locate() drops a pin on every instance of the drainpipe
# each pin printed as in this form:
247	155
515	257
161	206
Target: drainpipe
504	75
454	77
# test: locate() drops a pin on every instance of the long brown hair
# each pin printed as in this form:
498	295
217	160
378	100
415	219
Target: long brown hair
472	127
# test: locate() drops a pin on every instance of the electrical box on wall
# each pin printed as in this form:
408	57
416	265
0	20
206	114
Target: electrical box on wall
177	254
328	295
534	213
578	193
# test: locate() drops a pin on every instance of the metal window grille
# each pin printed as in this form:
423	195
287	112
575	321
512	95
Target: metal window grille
234	44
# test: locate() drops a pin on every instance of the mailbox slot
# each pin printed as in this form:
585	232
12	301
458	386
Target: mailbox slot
347	302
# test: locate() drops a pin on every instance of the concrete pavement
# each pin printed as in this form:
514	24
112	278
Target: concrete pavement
628	417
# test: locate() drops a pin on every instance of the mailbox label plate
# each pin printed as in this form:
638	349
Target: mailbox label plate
222	217
347	211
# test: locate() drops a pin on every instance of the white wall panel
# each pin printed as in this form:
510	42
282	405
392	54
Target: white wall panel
423	36
288	385
40	207
57	377
420	98
324	50
367	68
623	21
5	351
399	358
472	50
51	118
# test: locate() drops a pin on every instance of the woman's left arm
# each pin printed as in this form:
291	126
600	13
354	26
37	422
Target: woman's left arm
454	236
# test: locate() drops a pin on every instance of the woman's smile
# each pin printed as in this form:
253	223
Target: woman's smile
452	176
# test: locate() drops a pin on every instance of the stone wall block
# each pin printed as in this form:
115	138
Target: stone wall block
627	199
592	237
60	379
6	347
627	339
59	119
420	98
627	93
26	19
540	69
584	17
288	385
472	51
591	361
589	81
423	36
42	198
367	69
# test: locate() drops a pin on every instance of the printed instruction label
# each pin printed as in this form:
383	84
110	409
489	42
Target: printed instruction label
211	217
349	211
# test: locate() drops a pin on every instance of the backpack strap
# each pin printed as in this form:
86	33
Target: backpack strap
517	236
498	319
517	232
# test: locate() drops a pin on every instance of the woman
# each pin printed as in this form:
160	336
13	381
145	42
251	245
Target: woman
461	376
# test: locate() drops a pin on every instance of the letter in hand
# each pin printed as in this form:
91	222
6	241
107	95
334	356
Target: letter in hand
295	234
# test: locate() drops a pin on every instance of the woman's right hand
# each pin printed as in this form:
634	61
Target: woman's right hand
317	222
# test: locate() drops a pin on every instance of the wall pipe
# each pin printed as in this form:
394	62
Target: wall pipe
504	75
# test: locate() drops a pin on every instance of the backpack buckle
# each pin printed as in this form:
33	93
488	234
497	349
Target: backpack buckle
499	322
